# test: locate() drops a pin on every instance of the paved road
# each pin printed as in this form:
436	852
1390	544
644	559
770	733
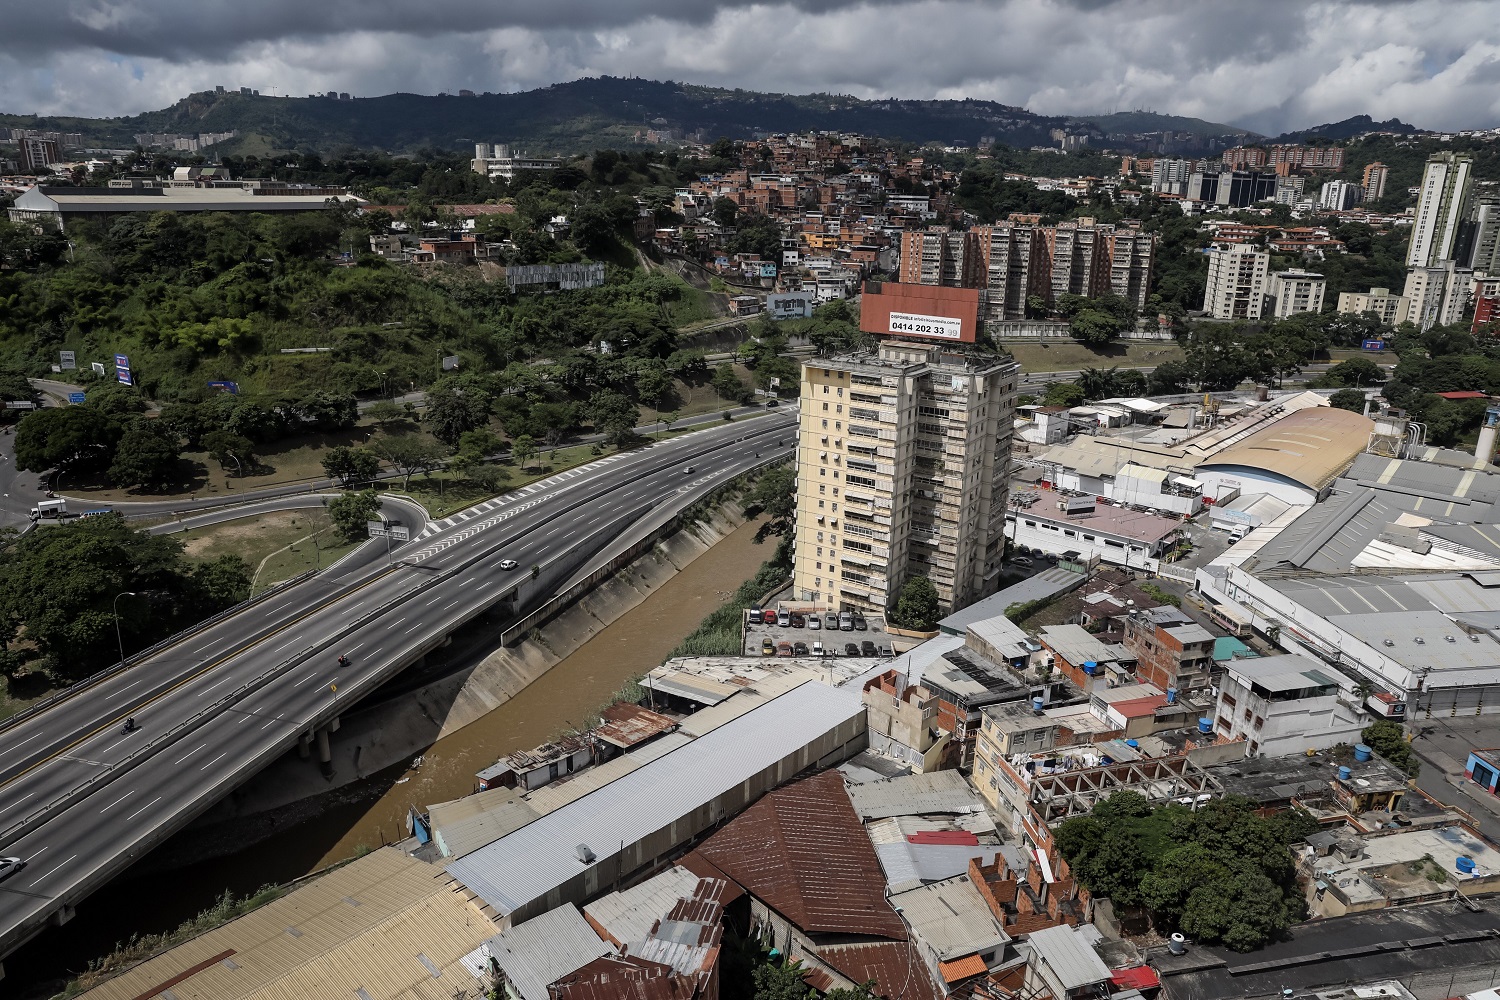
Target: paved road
138	788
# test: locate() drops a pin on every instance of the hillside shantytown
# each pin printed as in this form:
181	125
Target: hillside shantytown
1128	620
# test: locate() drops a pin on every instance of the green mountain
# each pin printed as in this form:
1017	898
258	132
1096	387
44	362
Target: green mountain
1149	121
567	117
1348	129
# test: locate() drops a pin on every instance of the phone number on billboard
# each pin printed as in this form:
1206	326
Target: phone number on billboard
926	326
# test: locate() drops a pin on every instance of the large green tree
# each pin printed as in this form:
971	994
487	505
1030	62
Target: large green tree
147	454
74	438
917	607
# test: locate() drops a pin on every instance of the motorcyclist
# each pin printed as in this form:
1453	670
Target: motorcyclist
342	660
130	724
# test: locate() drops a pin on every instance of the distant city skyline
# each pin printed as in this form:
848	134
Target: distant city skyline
1270	67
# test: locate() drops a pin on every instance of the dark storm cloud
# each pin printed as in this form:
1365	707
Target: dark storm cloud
1270	65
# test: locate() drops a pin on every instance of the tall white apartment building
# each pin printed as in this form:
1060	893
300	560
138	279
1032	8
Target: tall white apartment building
1297	292
1393	310
1237	277
902	464
1442	208
1339	196
1438	295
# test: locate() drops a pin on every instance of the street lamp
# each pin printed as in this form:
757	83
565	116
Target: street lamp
116	605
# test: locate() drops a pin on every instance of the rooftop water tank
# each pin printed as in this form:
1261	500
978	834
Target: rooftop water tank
1344	773
1091	668
1362	753
1133	744
1465	865
1171	696
1037	704
1205	725
1177	944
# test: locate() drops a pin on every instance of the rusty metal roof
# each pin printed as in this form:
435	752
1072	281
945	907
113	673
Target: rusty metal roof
898	970
802	851
626	977
624	725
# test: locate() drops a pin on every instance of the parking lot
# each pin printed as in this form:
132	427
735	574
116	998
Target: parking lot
834	641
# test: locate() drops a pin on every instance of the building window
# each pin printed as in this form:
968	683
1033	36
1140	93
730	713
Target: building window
825	406
825	424
820	503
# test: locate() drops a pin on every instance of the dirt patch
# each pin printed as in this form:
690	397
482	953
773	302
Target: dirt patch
1066	355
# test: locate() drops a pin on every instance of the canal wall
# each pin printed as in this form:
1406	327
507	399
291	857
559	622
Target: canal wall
375	740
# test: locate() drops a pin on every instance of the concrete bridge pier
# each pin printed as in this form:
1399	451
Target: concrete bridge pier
304	746
325	753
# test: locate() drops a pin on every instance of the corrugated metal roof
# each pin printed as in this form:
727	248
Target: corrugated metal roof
525	865
625	977
1309	447
467	824
552	797
380	923
908	865
898	971
1075	963
628	915
802	851
1047	583
962	968
541	951
915	794
624	725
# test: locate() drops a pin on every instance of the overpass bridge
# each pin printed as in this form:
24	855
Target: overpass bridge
80	800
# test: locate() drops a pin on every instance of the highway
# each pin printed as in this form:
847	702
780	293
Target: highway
80	800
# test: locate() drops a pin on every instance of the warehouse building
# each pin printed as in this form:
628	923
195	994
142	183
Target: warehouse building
61	206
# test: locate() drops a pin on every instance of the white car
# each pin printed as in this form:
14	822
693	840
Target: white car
9	866
508	564
813	622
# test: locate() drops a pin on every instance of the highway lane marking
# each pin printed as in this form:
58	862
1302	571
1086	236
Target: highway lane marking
195	749
62	752
122	690
82	760
211	763
355	648
271	723
49	871
116	802
142	809
413	628
304	680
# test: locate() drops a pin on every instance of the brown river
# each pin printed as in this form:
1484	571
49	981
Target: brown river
577	686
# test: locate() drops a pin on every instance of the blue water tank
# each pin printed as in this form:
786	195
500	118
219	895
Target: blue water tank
1171	696
1205	725
1344	773
1362	753
1091	668
1037	704
1465	865
1133	744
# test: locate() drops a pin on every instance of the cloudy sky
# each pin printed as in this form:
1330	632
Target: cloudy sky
1270	65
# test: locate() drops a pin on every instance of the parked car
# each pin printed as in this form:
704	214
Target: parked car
817	647
831	621
769	617
850	649
756	616
797	620
767	647
846	622
783	649
784	618
859	622
886	651
867	648
1023	561
799	648
814	622
1037	553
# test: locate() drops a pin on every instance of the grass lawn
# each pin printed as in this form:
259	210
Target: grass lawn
1337	354
695	305
24	691
1068	355
277	545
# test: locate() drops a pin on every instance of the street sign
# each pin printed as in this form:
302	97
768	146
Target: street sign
98	367
378	529
21	404
401	534
122	369
76	397
1372	345
68	359
233	388
450	363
